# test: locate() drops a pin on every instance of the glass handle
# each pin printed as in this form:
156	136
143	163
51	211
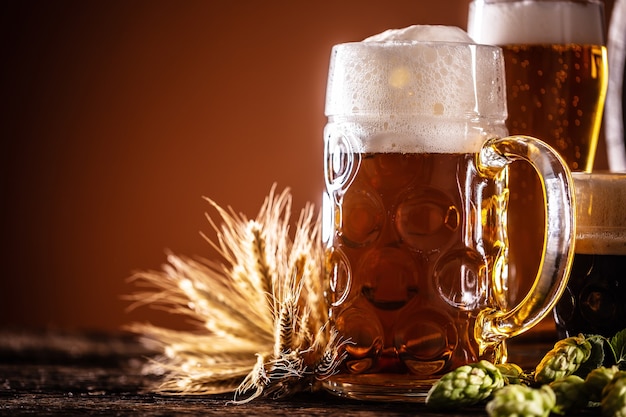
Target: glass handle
558	246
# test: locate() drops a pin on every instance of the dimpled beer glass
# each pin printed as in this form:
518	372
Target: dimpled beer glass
416	164
556	81
595	299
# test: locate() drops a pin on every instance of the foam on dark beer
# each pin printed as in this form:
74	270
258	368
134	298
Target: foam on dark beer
601	218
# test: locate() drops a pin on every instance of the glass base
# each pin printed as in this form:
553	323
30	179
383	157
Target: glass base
379	387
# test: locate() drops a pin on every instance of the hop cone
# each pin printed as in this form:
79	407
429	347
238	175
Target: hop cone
614	396
511	373
563	359
597	379
571	394
522	401
466	385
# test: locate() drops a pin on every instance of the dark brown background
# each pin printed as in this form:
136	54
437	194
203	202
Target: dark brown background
118	116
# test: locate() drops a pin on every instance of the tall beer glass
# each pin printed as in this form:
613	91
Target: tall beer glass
416	166
556	80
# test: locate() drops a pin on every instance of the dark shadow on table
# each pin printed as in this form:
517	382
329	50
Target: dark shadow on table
59	373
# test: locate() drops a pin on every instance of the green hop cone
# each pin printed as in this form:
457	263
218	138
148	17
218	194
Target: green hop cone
571	394
511	373
563	359
466	385
614	396
522	401
597	379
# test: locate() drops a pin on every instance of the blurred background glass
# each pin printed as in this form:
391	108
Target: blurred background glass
614	115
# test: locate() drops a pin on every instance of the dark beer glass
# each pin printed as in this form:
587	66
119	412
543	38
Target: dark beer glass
595	299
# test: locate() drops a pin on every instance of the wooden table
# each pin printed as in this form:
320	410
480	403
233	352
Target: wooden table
59	373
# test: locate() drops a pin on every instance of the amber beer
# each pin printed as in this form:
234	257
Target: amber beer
556	92
556	81
595	299
422	258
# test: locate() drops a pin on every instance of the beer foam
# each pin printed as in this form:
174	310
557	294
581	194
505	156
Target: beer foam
536	22
600	213
430	33
418	89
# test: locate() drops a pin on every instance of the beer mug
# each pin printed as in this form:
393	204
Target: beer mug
415	215
595	299
556	83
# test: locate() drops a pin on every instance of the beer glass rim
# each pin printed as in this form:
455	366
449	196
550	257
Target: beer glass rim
598	175
401	43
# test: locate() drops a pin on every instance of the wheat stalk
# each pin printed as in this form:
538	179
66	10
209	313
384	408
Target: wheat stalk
260	312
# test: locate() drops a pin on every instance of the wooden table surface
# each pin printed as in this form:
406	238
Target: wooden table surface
57	373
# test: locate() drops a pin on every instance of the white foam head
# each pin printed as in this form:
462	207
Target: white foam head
600	213
536	22
423	33
420	89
